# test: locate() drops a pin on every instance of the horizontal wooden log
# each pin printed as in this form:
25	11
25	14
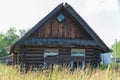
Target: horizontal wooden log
89	60
34	59
34	65
89	50
64	49
64	53
34	62
40	55
31	52
89	54
34	49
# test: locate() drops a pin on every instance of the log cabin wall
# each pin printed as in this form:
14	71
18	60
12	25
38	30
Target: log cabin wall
89	55
14	59
29	57
69	28
34	56
98	57
92	57
64	51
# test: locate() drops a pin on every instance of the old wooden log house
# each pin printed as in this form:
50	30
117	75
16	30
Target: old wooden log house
62	37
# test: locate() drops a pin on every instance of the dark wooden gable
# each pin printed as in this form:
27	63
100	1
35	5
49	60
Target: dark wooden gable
73	30
68	28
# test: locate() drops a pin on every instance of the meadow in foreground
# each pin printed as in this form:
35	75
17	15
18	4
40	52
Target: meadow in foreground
9	73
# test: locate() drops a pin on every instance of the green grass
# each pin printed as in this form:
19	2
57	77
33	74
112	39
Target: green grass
110	73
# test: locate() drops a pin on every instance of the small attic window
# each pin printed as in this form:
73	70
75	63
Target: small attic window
60	17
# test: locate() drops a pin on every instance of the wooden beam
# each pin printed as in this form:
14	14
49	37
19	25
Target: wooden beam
22	58
61	58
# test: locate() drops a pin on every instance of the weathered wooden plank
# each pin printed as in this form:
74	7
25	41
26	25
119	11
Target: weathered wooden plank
34	62
89	60
36	59
66	29
64	51
89	57
89	54
34	65
58	59
34	49
34	54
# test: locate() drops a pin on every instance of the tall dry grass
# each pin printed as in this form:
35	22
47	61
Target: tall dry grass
9	73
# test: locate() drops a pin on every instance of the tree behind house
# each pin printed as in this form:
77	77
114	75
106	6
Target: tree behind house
118	49
7	40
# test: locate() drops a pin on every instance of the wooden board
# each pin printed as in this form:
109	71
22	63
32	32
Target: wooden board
58	59
69	28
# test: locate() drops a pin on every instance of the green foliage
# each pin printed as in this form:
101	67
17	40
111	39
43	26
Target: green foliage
3	44
103	66
11	36
114	65
7	40
118	49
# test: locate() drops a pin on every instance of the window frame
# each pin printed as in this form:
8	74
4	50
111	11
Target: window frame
75	52
50	52
60	17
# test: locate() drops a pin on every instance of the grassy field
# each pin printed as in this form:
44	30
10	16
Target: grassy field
110	73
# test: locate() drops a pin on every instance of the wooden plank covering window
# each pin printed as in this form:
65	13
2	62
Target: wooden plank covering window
60	58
